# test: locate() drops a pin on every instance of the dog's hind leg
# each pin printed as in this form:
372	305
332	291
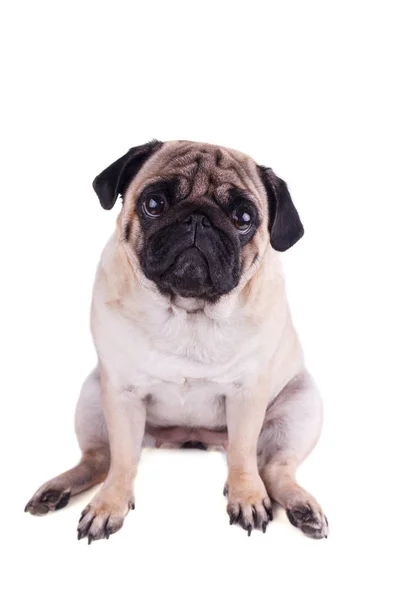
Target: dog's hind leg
93	467
291	429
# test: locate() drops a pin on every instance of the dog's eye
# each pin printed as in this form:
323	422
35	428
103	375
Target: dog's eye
242	220
154	205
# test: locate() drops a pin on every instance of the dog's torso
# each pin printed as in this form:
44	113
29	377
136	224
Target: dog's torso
185	362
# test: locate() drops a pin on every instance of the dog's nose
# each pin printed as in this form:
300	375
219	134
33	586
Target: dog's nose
198	220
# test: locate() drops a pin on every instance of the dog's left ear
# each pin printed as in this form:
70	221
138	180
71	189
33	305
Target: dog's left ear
284	224
114	180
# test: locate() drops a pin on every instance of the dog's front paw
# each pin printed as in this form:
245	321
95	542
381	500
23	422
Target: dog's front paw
104	516
248	502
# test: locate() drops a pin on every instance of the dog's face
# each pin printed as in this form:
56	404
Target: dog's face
197	217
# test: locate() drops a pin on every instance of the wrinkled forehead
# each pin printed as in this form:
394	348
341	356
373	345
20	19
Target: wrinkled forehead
202	170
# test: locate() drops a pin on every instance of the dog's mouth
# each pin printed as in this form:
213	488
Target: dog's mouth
189	276
192	258
192	272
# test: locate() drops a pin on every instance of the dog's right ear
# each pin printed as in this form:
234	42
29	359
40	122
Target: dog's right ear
285	227
114	180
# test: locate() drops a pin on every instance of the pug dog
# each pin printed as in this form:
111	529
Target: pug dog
194	338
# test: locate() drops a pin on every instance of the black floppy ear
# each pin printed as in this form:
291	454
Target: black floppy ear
284	225
114	180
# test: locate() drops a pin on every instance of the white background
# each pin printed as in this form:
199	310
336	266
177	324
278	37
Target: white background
308	88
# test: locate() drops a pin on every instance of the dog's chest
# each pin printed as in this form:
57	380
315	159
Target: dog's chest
186	366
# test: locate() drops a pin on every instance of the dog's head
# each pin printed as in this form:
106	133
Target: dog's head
198	217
